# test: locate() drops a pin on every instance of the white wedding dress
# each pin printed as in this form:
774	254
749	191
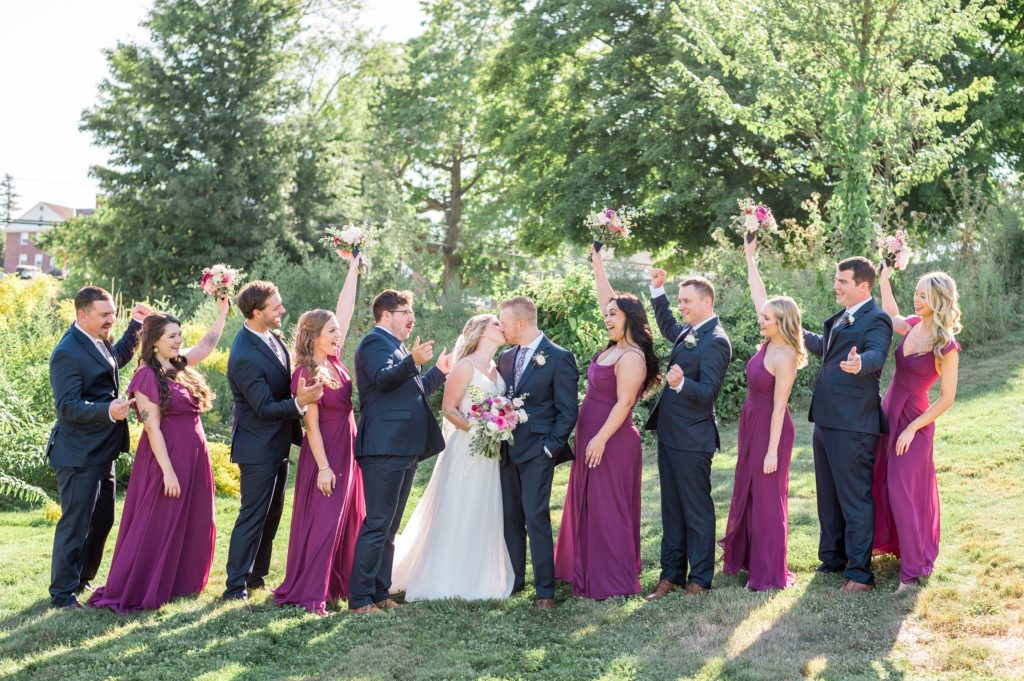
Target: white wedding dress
454	543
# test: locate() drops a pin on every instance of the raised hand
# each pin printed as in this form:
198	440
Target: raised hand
749	247
422	352
658	277
852	363
119	408
596	257
308	394
224	304
674	376
140	311
883	270
444	362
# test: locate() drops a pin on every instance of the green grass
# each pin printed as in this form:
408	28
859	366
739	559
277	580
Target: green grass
966	623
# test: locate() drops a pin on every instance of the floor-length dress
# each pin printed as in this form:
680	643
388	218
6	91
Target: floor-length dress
164	545
598	548
454	544
905	490
324	528
756	533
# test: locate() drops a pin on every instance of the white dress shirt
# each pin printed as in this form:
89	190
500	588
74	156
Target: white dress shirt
529	350
269	339
693	329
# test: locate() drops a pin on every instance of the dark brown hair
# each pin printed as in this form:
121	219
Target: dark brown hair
254	296
87	295
703	286
640	331
390	300
525	308
153	329
863	270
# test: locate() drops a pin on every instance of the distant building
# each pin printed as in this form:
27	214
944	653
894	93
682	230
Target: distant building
21	233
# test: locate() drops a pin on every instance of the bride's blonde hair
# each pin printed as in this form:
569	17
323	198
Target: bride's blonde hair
470	339
942	297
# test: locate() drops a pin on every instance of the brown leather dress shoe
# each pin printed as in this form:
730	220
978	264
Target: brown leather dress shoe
386	604
663	589
695	588
544	604
851	586
366	610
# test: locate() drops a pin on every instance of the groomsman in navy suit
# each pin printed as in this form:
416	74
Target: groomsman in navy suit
396	431
264	426
847	414
684	419
90	433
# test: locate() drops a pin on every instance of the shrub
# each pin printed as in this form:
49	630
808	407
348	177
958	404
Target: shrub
226	475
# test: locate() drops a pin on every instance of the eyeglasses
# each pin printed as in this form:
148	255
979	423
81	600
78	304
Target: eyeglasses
405	312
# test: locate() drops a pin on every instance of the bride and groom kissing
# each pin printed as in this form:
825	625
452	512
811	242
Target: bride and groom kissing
467	536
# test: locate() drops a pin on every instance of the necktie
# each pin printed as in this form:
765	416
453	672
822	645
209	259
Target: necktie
276	348
520	364
843	321
102	347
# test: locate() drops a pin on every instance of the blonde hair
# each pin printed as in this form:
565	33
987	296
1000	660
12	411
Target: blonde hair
311	325
523	307
942	297
787	315
470	339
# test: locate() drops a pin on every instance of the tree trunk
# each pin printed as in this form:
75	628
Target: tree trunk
453	222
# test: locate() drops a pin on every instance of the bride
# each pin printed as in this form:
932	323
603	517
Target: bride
454	544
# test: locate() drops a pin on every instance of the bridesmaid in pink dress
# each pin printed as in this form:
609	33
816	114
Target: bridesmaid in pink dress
165	542
905	490
756	533
329	506
598	548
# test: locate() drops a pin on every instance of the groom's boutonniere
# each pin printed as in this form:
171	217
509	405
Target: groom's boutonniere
540	359
690	342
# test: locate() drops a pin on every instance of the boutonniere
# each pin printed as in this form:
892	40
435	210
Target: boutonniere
690	342
540	359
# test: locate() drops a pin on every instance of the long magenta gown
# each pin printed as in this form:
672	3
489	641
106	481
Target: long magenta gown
324	529
756	533
164	546
598	548
906	493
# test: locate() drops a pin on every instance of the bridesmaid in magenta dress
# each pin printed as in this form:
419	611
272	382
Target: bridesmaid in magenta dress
905	490
598	548
756	533
165	542
329	506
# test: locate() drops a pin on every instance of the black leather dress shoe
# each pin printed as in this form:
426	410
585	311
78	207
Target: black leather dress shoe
829	570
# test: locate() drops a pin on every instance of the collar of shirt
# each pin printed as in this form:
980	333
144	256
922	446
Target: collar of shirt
853	310
532	347
388	332
265	335
704	323
88	335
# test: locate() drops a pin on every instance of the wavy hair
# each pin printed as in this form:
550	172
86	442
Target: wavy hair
787	316
639	330
941	294
469	340
307	331
153	329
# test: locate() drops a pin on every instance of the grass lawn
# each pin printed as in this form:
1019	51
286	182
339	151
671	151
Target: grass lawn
966	623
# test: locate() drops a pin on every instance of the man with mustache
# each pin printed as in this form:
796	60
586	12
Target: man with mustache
87	438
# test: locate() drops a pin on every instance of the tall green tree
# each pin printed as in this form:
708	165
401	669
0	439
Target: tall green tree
209	160
428	121
850	93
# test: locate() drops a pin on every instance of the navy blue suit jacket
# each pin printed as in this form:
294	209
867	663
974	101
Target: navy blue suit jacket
551	403
686	420
265	422
84	384
843	401
394	417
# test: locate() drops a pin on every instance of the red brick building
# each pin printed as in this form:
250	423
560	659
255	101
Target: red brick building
20	235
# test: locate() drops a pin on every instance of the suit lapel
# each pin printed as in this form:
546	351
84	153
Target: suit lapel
94	352
403	354
267	352
531	365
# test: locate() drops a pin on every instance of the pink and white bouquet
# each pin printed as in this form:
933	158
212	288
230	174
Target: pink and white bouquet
219	281
897	255
753	217
608	226
347	242
492	419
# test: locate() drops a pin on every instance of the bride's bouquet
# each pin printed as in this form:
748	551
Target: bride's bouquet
219	281
753	217
492	419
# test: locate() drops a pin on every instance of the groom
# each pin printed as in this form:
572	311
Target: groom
847	415
396	431
545	376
